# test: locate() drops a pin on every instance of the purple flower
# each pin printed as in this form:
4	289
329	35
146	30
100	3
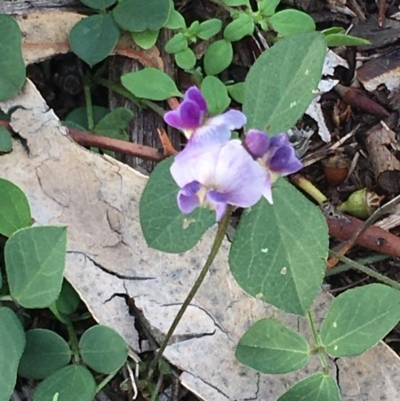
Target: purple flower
216	177
191	118
275	154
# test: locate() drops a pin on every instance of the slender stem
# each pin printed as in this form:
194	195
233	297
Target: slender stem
124	92
89	105
365	269
317	342
6	298
105	381
74	342
220	235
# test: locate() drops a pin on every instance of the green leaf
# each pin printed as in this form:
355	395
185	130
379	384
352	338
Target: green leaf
267	7
164	226
114	124
12	66
270	347
93	38
103	349
5	140
218	57
317	387
279	251
177	43
12	344
236	92
282	82
209	28
185	59
291	22
239	28
79	116
358	318
236	3
150	83
15	212
44	354
146	39
68	300
175	20
216	95
333	30
35	261
72	382
341	39
98	4
139	15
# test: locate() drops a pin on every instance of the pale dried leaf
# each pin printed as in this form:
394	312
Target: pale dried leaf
108	259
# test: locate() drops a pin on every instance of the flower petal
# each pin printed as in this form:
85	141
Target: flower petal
194	94
284	161
232	119
187	116
219	202
238	175
186	203
257	143
267	193
193	164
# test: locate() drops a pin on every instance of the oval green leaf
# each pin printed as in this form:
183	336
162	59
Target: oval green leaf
68	300
93	38
177	43
150	83
239	28
317	387
12	66
209	28
103	349
164	226
114	123
5	140
185	59
35	261
291	22
44	354
71	383
358	318
139	15
267	7
279	251
15	212
175	20
341	39
218	57
270	347
236	92
216	95
12	344
281	83
146	39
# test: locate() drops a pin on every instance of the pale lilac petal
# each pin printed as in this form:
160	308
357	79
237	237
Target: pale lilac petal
232	119
194	94
192	165
284	161
238	175
257	143
219	201
186	203
208	136
267	193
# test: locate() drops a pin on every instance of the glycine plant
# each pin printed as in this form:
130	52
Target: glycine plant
278	253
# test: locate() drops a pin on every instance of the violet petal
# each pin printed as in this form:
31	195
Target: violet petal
187	203
219	201
187	116
257	143
284	161
232	119
194	94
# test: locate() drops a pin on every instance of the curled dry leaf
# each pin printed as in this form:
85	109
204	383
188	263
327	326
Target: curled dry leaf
45	35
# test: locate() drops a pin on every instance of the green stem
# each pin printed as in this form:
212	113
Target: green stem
89	105
73	339
6	298
124	92
220	235
365	269
105	381
317	342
